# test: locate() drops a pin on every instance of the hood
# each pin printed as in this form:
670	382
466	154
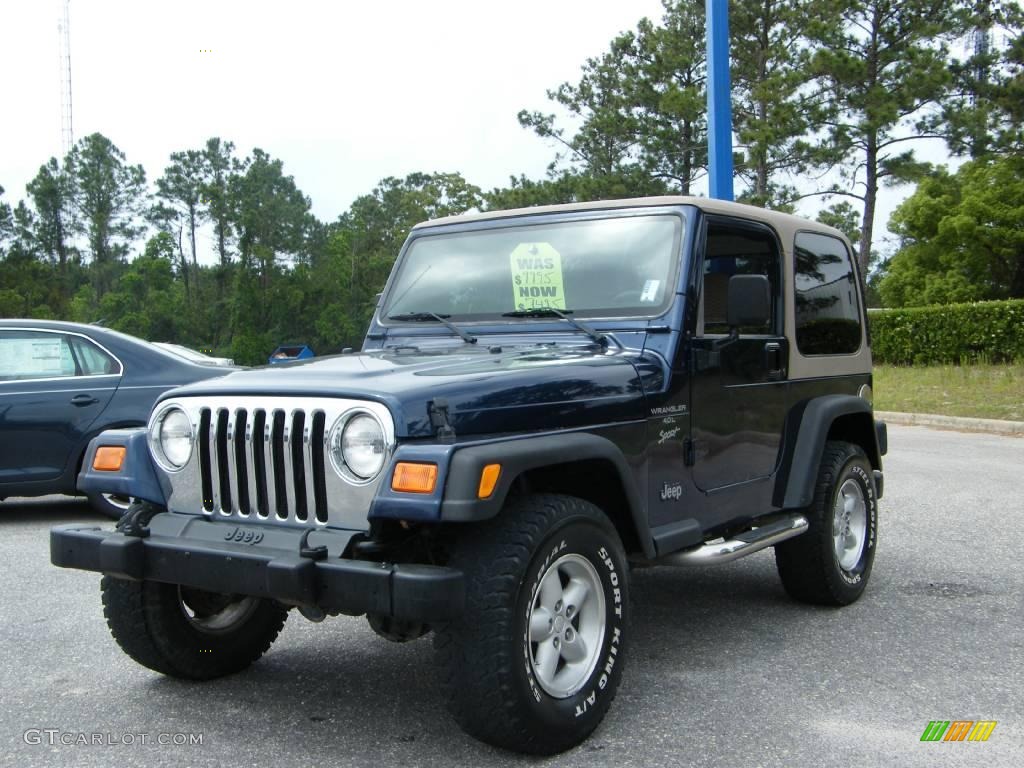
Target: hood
494	390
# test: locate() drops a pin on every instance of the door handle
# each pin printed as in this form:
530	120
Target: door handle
773	360
82	400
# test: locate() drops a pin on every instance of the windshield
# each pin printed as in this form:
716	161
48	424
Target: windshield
601	268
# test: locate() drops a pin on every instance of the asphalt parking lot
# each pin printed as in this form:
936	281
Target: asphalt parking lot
724	670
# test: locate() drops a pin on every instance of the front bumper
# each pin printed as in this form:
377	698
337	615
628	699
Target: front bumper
225	558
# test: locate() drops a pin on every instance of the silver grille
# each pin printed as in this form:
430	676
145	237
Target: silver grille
263	462
265	459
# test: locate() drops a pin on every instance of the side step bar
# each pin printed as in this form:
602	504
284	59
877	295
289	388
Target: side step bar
746	543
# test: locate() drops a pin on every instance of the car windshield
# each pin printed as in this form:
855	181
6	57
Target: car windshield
613	267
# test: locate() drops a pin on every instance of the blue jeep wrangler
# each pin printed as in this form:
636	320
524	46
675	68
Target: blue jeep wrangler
545	398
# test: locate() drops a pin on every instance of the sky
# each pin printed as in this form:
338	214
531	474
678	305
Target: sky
344	93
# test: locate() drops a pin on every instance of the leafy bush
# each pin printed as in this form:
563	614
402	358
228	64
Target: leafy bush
991	331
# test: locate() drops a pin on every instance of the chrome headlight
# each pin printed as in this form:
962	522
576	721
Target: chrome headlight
172	438
358	446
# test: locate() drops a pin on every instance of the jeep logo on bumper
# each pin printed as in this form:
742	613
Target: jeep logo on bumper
244	536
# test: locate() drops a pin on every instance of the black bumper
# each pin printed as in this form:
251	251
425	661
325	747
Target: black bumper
403	591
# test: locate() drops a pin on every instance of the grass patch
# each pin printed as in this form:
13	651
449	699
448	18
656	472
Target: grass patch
978	390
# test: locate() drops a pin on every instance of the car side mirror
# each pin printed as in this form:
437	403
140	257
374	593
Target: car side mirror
749	302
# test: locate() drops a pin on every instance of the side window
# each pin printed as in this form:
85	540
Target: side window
827	312
93	360
736	250
35	355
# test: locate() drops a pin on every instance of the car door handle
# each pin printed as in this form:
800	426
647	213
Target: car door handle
773	360
82	400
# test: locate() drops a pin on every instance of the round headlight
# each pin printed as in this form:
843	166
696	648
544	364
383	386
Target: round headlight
359	447
173	437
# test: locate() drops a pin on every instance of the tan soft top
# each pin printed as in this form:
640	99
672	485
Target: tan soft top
786	227
783	222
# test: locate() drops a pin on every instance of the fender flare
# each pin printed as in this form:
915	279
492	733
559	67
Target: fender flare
137	477
807	427
461	504
94	433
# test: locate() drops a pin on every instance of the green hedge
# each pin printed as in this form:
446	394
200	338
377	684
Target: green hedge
992	331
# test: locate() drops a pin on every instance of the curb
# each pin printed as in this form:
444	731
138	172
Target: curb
961	424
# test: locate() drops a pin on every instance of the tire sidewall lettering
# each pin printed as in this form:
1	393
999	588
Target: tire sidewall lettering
856	471
586	701
531	679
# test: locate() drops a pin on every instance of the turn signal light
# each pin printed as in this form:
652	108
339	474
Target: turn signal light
414	478
109	458
488	479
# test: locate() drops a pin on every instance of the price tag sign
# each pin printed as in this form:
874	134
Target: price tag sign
33	357
537	277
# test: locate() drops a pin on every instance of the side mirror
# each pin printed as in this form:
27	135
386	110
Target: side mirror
750	302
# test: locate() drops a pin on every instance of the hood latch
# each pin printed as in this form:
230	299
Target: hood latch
438	410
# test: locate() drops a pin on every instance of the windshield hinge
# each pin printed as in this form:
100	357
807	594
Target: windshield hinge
438	410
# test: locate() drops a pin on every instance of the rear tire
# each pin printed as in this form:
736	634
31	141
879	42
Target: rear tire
189	633
534	662
831	563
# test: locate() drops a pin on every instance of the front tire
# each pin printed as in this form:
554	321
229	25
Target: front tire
831	563
189	633
534	662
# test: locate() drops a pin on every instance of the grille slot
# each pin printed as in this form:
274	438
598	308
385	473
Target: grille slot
258	481
263	462
319	464
206	480
277	459
222	486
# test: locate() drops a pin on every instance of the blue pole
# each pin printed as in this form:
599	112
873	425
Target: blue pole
719	102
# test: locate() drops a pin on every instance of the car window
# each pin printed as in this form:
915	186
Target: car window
614	267
92	360
43	355
736	250
827	313
35	355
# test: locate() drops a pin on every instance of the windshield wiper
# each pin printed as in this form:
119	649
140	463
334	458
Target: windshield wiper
414	317
600	338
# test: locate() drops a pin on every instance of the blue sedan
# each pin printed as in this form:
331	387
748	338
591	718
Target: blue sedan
61	384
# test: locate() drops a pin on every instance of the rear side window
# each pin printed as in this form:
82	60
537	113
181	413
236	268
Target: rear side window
93	360
26	355
827	309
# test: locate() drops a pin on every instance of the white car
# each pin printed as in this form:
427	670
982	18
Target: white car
194	356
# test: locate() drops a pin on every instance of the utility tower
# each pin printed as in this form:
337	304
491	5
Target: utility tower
982	46
67	134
